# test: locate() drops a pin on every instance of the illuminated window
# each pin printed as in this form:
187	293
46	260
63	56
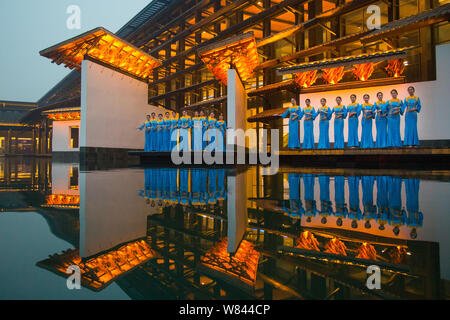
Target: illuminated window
74	137
73	181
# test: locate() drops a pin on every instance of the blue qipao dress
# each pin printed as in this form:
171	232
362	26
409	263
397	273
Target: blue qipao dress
368	112
295	114
381	122
325	114
395	110
308	126
340	113
353	112
411	107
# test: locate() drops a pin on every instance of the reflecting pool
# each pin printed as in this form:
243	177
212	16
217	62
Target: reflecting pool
221	233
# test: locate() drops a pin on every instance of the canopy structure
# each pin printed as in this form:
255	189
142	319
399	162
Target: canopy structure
64	114
238	52
104	46
345	61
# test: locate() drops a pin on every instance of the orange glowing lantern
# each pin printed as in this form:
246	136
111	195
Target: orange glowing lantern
366	251
64	116
306	79
307	241
100	271
336	246
395	67
333	75
63	200
363	71
242	265
239	52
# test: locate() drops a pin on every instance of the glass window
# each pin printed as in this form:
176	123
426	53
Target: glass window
74	137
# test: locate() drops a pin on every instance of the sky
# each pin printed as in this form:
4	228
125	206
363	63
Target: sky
29	26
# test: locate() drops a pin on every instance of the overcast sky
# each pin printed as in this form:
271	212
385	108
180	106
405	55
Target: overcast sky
29	26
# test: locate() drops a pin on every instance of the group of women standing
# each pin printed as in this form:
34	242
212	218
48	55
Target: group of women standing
387	121
164	134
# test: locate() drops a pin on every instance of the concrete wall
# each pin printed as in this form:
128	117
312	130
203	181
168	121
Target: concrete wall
113	106
433	119
61	136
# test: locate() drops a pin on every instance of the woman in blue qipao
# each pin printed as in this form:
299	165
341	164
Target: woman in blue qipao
146	127
395	110
411	107
353	112
325	114
308	125
368	113
197	133
154	139
184	124
211	132
173	131
340	113
222	127
160	133
204	124
339	198
295	114
166	132
381	121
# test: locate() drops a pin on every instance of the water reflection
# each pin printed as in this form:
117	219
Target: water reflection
200	233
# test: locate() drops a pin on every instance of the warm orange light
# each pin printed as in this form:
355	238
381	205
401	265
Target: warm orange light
367	251
64	116
336	246
243	264
243	54
395	67
306	79
363	71
62	199
333	75
98	272
307	241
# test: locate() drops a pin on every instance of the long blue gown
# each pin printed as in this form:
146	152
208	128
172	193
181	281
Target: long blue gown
222	126
366	124
173	130
197	134
411	134
393	132
339	197
166	134
154	134
353	124
339	126
310	203
325	114
160	136
381	121
308	126
184	123
204	124
148	142
294	124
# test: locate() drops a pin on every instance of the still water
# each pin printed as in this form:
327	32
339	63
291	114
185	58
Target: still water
216	233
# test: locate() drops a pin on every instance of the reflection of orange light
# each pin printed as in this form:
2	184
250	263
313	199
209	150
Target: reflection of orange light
367	251
242	265
62	199
336	246
307	241
306	79
64	116
363	71
98	272
333	75
243	54
395	67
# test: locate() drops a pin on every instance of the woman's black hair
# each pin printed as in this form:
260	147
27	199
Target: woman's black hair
394	90
353	95
366	95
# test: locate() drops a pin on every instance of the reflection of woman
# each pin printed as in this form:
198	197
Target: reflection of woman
310	203
308	125
381	121
212	186
368	111
382	203
325	203
184	187
339	198
295	114
340	113
367	183
353	112
294	194
325	114
415	218
353	200
395	110
411	107
397	215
